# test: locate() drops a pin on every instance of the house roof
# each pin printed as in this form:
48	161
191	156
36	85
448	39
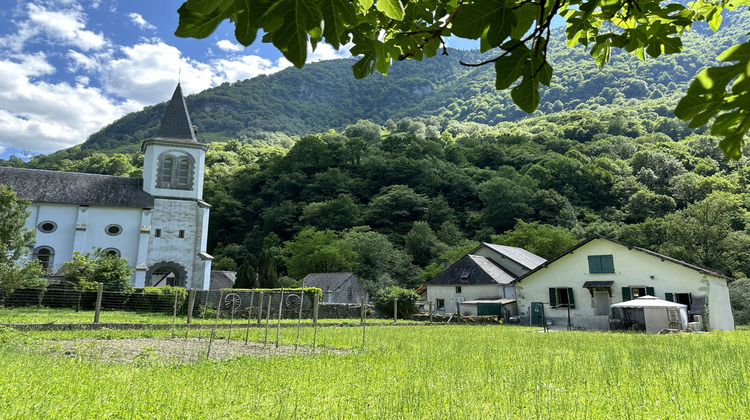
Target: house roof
699	269
42	186
222	279
519	255
176	124
472	270
327	282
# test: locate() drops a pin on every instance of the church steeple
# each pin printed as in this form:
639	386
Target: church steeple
176	124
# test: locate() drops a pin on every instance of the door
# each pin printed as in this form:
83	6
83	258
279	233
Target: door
601	302
537	313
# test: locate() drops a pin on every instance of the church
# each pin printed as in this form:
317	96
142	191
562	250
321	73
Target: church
159	222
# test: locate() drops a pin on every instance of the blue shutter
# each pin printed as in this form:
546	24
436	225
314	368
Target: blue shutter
650	291
625	294
607	264
669	297
595	264
571	301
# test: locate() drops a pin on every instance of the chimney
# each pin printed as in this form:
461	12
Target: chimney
446	264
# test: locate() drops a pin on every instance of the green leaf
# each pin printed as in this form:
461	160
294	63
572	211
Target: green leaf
508	70
193	24
391	8
207	6
526	14
337	14
489	19
289	22
526	95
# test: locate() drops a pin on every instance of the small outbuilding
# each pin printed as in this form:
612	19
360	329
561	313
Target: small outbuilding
650	314
338	287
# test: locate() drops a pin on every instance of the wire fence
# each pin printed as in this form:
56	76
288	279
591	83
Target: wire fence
170	305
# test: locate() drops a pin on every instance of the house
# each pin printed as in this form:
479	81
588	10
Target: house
482	281
337	287
221	279
578	287
159	222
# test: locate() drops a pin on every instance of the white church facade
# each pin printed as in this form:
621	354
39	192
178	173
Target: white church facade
159	222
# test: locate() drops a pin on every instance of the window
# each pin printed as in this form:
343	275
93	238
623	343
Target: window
46	256
157	233
181	234
440	303
458	289
683	298
601	264
47	226
175	171
112	251
561	297
167	166
634	292
113	230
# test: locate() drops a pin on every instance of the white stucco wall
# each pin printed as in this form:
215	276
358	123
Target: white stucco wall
448	293
154	149
632	268
83	229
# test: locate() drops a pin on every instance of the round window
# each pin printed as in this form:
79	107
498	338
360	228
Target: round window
113	230
47	226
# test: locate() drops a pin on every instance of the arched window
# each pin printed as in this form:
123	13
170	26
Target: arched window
112	251
175	171
46	256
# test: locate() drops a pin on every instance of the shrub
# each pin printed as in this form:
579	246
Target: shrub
406	302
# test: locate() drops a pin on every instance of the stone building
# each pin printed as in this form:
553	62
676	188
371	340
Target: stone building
159	222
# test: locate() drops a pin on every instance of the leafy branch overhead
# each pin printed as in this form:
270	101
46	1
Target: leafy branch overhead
517	31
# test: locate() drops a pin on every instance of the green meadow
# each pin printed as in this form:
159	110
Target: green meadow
408	371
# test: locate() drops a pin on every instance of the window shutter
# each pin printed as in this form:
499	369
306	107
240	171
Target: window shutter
552	297
690	295
595	264
669	297
625	294
650	291
608	264
572	302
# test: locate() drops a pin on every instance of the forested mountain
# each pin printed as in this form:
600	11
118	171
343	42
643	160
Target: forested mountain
388	176
325	95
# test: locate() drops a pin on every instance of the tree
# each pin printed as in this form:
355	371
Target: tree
547	241
739	295
314	251
518	32
14	240
86	270
379	263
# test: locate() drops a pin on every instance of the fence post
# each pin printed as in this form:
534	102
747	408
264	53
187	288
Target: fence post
98	303
78	305
299	316
430	305
191	305
260	308
395	309
40	297
316	301
278	323
364	321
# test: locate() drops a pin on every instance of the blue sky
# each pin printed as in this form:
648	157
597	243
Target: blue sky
70	67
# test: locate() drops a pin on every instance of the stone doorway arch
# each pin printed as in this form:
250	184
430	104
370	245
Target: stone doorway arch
166	273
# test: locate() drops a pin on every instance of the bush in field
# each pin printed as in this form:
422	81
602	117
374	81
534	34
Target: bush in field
739	294
406	302
86	271
157	298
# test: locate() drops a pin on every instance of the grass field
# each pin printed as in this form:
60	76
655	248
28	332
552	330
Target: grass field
421	372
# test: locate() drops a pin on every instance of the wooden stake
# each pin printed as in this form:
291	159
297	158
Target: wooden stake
278	322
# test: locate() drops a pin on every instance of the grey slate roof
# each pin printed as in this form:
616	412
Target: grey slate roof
327	282
222	280
519	255
176	124
472	270
41	186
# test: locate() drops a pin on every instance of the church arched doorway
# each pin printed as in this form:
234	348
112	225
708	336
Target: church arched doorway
166	274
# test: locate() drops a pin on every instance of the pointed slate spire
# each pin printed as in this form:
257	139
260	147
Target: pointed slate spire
176	124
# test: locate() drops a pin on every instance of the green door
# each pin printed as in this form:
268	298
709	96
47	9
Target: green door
537	313
489	308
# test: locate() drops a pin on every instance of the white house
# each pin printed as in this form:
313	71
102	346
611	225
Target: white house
158	222
482	278
581	284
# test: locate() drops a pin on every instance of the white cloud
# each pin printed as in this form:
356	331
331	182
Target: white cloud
68	115
65	26
140	22
326	52
226	45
